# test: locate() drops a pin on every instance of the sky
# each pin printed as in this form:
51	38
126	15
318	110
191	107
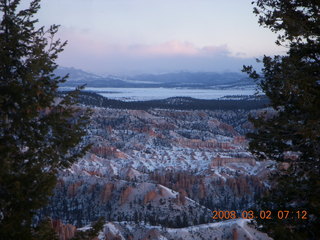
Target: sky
157	36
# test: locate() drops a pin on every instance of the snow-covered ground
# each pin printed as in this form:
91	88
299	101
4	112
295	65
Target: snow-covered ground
238	229
143	94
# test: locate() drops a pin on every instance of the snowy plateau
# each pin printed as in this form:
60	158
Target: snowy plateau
146	94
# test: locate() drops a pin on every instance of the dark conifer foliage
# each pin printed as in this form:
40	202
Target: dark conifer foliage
291	134
40	132
183	103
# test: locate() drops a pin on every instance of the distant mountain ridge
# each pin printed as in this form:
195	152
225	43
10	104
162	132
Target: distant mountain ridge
167	80
185	103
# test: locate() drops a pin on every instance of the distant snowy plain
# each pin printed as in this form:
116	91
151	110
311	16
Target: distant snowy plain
144	94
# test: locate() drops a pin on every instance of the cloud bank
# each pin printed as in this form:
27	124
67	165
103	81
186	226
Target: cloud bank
100	56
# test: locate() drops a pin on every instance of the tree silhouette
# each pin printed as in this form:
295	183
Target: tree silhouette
290	134
40	133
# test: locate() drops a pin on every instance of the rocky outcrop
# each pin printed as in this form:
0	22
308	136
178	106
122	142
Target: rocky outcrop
107	192
223	161
149	197
125	194
181	197
240	140
64	231
133	174
197	143
211	144
152	234
72	189
108	152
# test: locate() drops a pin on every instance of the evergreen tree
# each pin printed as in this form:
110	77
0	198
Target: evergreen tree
290	134
44	231
40	132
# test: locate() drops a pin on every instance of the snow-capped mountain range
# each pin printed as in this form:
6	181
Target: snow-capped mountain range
166	80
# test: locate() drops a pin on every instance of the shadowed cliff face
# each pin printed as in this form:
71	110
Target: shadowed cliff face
163	167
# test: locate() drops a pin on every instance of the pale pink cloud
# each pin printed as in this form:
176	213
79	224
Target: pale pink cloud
165	49
176	48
